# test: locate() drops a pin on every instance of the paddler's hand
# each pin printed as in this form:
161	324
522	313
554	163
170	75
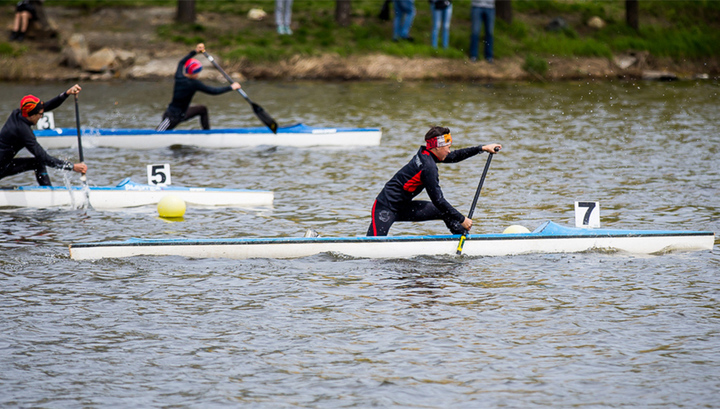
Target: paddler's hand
235	86
200	48
492	147
467	224
75	89
80	168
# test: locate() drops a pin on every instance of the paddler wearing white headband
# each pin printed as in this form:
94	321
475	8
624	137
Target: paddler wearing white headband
395	201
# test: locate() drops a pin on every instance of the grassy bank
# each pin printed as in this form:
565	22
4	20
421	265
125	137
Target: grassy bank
678	30
674	29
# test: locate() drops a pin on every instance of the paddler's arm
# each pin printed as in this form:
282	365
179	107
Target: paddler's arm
492	148
465	153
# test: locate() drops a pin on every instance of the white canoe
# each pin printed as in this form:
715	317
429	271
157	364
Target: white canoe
130	194
548	238
297	135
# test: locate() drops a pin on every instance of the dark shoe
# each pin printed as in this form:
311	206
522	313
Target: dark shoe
395	40
410	39
13	35
473	59
19	37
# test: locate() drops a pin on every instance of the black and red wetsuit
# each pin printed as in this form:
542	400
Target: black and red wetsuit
394	203
185	88
17	134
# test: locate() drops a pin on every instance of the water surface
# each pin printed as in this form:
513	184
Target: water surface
592	330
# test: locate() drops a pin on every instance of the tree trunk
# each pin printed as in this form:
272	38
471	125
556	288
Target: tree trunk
186	11
44	27
342	12
632	14
504	10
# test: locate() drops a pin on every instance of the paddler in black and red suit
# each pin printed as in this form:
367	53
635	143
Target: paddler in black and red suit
395	201
186	85
17	134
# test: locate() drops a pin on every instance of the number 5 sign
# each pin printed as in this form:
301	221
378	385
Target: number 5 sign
587	214
159	175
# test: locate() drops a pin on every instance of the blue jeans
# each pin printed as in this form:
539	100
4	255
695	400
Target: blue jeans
404	16
487	16
441	17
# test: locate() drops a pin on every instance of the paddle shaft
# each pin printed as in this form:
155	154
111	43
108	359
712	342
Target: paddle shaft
227	77
259	111
475	199
77	124
83	178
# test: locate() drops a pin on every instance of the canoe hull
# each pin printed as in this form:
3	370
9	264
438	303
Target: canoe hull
572	241
296	136
128	194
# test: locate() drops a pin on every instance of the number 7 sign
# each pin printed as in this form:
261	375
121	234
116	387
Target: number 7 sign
587	214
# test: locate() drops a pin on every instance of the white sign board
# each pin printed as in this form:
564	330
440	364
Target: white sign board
587	214
159	175
47	121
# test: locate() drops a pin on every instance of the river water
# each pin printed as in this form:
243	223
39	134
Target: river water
570	330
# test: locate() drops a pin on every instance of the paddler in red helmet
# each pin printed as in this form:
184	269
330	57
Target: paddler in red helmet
17	134
395	201
186	84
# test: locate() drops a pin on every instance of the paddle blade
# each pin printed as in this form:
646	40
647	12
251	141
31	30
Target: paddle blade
264	117
460	245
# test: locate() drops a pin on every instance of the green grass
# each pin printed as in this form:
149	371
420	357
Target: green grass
11	49
688	29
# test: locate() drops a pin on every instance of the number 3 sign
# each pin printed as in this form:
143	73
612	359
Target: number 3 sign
159	175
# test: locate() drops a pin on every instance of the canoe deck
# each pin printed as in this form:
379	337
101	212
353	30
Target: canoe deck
130	194
298	135
548	238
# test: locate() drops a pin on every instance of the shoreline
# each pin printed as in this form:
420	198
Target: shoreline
132	50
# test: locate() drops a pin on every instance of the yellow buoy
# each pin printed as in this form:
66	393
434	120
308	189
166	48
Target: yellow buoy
171	206
516	228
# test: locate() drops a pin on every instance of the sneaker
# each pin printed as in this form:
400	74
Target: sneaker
287	30
281	30
13	35
473	59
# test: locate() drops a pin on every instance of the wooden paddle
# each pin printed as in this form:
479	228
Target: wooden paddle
474	202
83	178
259	111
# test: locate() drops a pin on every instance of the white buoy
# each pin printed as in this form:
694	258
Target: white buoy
516	228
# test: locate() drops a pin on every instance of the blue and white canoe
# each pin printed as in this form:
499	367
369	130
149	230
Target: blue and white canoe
297	136
130	194
548	238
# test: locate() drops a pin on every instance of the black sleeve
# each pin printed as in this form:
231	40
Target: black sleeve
462	154
211	90
431	181
32	145
55	102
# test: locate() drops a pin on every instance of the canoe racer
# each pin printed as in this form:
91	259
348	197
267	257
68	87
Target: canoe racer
17	134
186	84
394	203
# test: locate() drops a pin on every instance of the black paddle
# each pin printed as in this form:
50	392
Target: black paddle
83	178
259	111
474	202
